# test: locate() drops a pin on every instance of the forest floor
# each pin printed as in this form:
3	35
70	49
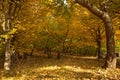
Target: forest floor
66	68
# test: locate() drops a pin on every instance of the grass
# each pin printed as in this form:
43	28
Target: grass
39	67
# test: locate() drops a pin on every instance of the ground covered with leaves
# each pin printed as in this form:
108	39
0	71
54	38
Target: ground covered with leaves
66	68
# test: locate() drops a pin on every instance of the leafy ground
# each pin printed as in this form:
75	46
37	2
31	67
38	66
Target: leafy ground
66	68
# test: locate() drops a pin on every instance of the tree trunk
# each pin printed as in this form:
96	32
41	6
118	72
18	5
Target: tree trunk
99	43
58	55
48	49
99	55
8	53
8	9
104	16
7	62
32	51
6	25
111	56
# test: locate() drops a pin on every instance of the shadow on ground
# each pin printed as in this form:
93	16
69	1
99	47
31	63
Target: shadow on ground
66	68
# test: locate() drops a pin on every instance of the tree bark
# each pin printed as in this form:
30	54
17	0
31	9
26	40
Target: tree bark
104	16
32	51
99	52
6	24
7	62
98	40
111	56
47	49
58	55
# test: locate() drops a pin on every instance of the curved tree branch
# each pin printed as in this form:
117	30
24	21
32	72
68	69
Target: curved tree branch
96	11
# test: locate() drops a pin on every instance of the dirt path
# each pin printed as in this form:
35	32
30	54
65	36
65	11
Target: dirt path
66	68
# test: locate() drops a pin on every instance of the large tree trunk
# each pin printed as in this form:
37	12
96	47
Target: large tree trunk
104	16
111	56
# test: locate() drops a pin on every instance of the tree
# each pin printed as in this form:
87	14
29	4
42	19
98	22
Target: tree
9	9
96	29
105	17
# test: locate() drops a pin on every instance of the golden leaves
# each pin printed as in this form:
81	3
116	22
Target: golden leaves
12	31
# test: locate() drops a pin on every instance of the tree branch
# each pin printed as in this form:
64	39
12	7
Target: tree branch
90	7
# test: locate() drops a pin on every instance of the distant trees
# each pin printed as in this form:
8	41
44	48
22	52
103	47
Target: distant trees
97	31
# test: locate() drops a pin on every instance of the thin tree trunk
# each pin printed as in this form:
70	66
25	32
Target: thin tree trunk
58	55
7	62
99	43
8	8
32	51
99	52
47	49
6	24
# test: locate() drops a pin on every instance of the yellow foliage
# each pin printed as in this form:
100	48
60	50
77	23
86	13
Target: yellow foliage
117	32
5	36
12	31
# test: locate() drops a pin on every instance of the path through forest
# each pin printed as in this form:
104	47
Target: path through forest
66	68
